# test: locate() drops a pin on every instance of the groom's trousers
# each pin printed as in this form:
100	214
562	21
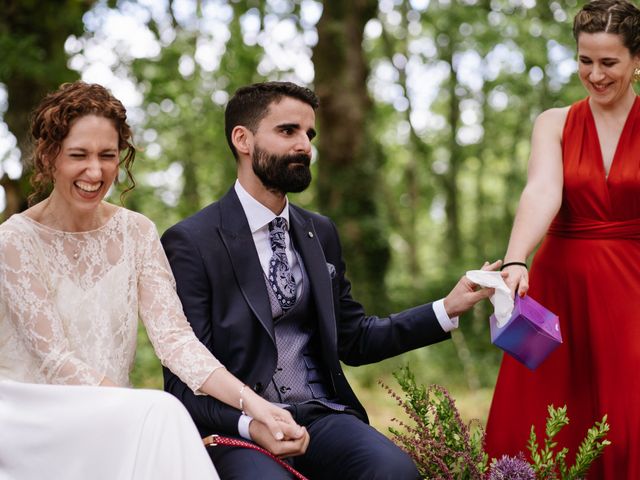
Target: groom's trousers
341	447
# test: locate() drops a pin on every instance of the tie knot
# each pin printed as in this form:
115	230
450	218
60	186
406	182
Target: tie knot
278	223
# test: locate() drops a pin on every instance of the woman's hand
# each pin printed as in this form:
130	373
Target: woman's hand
280	448
272	427
517	279
277	420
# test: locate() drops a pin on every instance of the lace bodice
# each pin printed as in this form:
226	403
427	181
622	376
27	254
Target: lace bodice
70	302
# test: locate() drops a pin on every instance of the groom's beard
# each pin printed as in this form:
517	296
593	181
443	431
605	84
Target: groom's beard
282	173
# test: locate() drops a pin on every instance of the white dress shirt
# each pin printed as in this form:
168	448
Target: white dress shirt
259	217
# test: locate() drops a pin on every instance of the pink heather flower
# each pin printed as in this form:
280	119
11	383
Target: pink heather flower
511	468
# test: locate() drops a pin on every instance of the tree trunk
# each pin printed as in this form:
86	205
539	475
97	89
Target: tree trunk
453	240
349	157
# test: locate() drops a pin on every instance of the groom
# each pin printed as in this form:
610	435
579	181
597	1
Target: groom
263	285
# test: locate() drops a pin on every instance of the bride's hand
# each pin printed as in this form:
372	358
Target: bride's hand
278	420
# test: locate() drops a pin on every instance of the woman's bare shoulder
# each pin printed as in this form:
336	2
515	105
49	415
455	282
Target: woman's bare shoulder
553	117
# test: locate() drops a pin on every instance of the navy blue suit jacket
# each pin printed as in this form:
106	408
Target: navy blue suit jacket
222	288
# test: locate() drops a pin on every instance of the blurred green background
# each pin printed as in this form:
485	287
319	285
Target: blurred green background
424	124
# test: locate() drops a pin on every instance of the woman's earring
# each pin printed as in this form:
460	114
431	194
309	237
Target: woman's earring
636	75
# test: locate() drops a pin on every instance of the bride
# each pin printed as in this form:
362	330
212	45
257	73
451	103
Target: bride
76	273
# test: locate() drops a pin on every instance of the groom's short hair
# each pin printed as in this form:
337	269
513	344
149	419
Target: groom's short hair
250	104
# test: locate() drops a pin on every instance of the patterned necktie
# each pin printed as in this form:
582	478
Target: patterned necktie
280	277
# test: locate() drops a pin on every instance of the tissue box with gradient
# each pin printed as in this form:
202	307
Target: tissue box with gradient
530	335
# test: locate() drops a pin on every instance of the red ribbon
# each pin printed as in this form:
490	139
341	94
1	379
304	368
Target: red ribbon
214	440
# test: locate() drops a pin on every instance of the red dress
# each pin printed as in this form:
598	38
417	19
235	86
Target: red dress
587	271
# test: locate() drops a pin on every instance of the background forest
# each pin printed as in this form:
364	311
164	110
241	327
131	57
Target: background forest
424	124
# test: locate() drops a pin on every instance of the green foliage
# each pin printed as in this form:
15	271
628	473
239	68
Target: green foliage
32	36
545	460
590	449
552	465
420	203
444	447
440	443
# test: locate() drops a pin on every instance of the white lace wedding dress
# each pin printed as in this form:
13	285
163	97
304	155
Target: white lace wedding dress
69	309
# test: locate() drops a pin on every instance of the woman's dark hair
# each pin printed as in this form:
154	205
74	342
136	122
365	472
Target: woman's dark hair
610	16
54	117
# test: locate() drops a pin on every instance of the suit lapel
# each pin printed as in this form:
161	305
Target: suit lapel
237	238
308	246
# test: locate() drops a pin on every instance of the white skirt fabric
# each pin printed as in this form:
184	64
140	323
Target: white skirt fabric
98	433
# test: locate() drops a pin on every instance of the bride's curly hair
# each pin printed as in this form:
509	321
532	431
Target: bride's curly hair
54	117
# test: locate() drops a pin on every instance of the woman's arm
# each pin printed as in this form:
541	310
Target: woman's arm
284	437
541	197
180	350
161	312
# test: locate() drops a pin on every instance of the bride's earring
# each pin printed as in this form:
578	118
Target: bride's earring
636	75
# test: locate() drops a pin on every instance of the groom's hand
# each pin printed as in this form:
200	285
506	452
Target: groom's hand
295	442
466	293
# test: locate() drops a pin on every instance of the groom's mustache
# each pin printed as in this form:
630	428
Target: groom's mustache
300	158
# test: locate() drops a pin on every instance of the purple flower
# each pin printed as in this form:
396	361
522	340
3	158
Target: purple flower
511	468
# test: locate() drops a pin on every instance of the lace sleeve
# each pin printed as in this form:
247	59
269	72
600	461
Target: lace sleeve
30	306
161	312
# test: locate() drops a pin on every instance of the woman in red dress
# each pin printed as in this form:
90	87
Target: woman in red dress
583	190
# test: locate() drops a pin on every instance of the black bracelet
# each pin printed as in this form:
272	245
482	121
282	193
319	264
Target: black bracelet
508	264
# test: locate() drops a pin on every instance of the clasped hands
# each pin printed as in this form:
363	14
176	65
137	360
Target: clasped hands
274	429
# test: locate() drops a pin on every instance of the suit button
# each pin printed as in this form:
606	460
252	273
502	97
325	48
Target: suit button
283	389
257	387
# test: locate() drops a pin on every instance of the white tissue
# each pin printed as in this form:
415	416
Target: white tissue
501	299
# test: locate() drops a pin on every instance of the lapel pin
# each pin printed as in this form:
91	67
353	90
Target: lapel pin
310	234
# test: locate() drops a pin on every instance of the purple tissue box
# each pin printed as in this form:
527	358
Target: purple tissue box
530	335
